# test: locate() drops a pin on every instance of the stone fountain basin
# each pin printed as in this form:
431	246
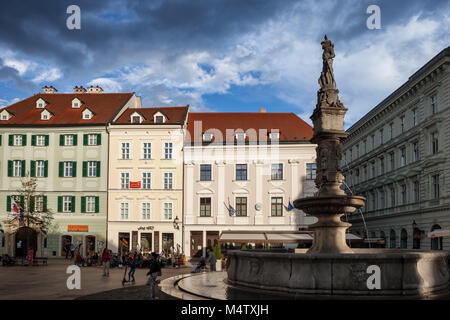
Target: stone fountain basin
336	204
402	272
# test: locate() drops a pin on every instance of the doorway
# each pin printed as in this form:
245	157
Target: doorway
124	243
66	242
146	242
167	242
196	243
25	238
90	245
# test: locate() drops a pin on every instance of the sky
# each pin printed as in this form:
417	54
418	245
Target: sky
219	55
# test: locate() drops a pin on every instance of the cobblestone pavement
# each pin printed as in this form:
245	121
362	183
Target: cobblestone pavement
50	282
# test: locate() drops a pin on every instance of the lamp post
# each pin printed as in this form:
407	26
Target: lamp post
176	222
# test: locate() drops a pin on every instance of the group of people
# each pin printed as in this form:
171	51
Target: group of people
210	257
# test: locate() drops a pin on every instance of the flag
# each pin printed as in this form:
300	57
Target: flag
14	208
290	206
231	210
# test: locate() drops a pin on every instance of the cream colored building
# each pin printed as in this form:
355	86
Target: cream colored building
258	177
145	179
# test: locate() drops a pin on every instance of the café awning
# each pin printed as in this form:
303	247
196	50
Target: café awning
439	233
272	236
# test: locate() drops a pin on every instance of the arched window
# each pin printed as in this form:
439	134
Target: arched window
436	243
416	238
392	239
404	239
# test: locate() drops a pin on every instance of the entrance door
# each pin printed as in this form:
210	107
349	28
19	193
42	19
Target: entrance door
25	238
146	243
66	242
90	245
196	243
124	243
212	238
167	242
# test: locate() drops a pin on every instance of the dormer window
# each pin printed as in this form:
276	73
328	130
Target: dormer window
87	114
274	136
136	119
76	103
45	115
207	137
5	115
159	119
40	103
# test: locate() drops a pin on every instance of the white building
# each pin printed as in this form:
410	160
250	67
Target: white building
251	163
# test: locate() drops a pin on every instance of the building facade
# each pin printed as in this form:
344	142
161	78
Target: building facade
241	171
145	189
398	157
62	141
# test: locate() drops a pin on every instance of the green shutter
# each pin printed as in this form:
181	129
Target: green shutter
46	168
33	168
74	168
44	203
22	201
8	203
97	204
61	170
73	204
99	139
75	139
61	139
0	139
47	140
10	140
24	139
85	168
10	168
85	139
23	168
83	204
98	168
33	140
60	204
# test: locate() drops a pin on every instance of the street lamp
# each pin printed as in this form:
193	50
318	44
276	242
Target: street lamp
176	222
414	224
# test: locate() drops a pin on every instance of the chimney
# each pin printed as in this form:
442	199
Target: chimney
50	89
262	110
79	89
95	89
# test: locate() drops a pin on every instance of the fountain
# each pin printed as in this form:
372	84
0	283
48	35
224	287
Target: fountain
330	268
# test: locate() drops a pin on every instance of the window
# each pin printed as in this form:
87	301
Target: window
68	169
92	140
435	187
205	172
402	123
159	119
382	199
146	180
18	140
365	173
40	140
146	211
434	104
373	169
381	136
125	180
125	150
311	170
415	155
90	204
357	151
75	105
372	137
44	116
68	140
168	150
168	177
277	207
136	119
277	171
168	210
67	204
241	172
86	116
391	130
365	146
403	157
392	158
124	211
241	206
382	165
92	169
38	203
392	196
40	168
357	176
416	187
434	143
17	168
403	188
205	207
414	111
147	150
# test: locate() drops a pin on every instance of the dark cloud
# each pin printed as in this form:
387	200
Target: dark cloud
11	74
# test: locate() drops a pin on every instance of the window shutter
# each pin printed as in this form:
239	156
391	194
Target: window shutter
8	203
97	205
44	207
10	140
61	139
84	168
46	168
33	140
75	139
99	139
10	168
22	202
24	139
61	170
23	168
98	168
74	168
33	168
60	203
73	204
85	139
83	204
47	140
0	139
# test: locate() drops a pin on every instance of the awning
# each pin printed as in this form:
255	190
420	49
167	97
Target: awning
288	237
375	240
351	236
242	237
439	233
272	237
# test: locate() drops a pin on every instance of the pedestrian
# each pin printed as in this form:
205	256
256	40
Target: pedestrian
67	249
132	265
106	258
153	273
211	258
30	255
72	251
199	265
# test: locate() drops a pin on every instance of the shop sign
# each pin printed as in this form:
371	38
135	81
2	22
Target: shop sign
135	184
77	228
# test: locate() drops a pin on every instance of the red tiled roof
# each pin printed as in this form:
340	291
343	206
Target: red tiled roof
103	105
175	115
289	125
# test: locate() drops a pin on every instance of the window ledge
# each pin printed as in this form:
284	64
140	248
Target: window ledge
248	180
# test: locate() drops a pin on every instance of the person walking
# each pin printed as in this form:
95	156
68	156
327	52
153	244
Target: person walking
106	260
153	273
132	265
211	258
72	251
